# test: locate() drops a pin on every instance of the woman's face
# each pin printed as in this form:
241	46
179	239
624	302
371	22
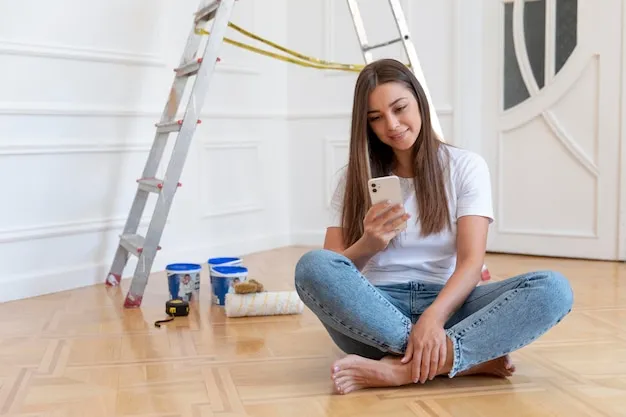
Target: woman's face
394	115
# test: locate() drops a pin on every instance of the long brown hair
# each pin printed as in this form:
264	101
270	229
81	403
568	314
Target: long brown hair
428	168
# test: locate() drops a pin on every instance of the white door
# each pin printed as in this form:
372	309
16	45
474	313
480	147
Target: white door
552	125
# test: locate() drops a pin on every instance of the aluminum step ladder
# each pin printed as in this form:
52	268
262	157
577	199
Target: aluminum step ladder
192	65
218	12
403	36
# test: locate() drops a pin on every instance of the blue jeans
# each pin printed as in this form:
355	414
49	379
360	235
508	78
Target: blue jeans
375	321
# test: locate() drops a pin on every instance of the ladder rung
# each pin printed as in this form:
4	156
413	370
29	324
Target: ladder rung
380	45
208	12
153	185
171	126
190	68
133	243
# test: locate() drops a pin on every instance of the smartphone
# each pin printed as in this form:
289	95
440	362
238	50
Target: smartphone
386	188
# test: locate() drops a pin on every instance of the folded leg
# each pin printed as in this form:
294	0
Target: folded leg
501	317
360	319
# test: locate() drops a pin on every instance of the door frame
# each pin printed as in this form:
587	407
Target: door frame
621	244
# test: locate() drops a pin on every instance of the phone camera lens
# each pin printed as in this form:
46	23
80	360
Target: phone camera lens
374	190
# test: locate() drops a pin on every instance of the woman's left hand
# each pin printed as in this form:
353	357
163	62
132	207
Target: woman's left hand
426	348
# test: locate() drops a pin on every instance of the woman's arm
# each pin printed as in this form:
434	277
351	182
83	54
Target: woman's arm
427	348
471	248
474	214
358	254
381	224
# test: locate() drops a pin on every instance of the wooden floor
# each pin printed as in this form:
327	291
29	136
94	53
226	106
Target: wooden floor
79	353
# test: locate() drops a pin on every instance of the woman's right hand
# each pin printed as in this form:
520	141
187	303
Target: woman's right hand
381	224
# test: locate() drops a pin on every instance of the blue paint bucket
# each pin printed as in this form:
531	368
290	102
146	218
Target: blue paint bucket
223	281
183	281
223	261
226	261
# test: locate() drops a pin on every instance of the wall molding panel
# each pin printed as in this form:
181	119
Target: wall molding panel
70	148
90	110
55	109
66	229
8	47
252	205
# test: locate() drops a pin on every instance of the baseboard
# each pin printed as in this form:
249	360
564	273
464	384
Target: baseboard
78	276
52	281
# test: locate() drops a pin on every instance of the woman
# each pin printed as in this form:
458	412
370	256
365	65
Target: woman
405	305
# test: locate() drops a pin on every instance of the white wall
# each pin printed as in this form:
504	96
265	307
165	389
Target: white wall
320	101
80	91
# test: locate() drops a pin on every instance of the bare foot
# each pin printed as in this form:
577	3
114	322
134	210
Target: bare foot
502	367
354	372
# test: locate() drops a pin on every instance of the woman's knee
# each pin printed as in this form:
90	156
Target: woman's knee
559	298
315	267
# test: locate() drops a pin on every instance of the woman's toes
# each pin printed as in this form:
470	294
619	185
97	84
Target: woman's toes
339	388
343	380
350	387
508	363
344	373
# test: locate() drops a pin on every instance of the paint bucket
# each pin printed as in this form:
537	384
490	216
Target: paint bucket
224	261
183	281
224	279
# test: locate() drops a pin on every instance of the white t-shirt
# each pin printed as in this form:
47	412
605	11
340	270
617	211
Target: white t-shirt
409	256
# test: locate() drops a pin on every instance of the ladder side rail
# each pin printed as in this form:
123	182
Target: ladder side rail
414	61
359	27
179	153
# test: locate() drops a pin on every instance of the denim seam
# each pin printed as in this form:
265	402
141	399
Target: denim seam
376	292
460	333
489	312
514	348
456	356
523	283
457	336
519	284
362	337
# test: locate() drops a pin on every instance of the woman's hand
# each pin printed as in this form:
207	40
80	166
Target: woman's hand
426	349
381	224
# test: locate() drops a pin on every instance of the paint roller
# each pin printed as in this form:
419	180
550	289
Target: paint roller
265	303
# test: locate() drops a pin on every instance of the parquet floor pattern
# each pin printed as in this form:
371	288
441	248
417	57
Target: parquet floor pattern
79	353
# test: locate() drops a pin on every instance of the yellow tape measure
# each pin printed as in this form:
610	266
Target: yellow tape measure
174	308
303	60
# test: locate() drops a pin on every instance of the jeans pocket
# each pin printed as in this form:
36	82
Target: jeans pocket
423	295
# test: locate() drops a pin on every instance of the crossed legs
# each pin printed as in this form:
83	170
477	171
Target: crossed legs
366	323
